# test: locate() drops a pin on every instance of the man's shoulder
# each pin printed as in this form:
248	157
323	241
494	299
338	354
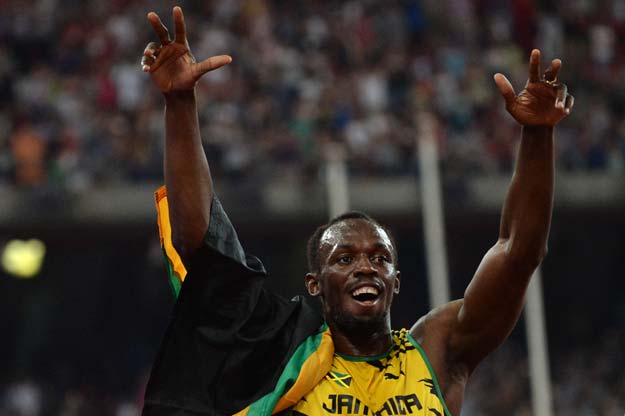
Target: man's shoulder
439	322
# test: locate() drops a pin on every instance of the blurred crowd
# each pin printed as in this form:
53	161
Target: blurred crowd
76	110
27	397
588	380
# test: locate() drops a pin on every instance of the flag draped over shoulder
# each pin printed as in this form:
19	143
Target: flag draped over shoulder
232	348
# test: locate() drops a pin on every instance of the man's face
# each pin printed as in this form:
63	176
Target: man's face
357	278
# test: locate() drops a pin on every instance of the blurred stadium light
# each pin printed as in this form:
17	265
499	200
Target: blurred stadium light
23	259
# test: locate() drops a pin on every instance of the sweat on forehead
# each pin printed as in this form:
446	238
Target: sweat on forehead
335	232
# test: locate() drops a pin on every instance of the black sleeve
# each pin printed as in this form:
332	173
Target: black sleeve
223	283
229	338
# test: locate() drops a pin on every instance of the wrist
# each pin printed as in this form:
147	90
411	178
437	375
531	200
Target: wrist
546	129
179	96
537	132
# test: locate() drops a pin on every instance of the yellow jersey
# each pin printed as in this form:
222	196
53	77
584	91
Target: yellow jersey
400	382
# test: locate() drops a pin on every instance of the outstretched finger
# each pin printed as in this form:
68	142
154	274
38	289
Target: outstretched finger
560	96
534	75
213	62
505	88
180	28
159	28
551	74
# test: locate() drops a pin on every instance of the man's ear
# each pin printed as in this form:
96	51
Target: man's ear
312	284
397	282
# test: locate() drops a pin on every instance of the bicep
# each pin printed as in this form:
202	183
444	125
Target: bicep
492	304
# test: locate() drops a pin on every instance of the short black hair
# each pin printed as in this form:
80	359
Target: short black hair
312	249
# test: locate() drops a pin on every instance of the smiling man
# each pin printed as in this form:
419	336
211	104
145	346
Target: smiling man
234	348
375	370
352	263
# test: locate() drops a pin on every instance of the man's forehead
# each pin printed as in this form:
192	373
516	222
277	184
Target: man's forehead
337	233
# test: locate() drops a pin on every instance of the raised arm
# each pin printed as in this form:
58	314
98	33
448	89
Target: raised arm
494	299
175	72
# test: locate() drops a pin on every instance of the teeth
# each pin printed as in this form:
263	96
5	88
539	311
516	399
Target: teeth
365	289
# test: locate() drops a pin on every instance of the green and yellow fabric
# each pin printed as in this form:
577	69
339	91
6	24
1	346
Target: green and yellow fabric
400	382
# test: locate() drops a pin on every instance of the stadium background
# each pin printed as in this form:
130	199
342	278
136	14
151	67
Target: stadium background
81	149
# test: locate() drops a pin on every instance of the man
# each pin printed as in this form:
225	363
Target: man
234	347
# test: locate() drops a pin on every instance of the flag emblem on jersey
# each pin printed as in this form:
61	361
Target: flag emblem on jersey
343	380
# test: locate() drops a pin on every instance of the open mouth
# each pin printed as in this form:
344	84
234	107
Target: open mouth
366	294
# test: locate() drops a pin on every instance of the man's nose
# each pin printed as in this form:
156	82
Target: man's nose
364	266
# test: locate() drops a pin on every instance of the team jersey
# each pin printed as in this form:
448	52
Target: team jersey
400	382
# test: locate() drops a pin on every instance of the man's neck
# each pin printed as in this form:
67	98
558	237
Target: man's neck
361	342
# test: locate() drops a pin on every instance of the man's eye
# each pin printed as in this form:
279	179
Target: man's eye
380	259
344	259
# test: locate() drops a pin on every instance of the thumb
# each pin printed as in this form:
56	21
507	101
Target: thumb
212	63
505	88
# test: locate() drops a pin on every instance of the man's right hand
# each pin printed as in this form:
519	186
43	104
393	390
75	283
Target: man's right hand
170	62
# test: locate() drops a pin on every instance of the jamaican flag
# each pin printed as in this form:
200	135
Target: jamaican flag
231	347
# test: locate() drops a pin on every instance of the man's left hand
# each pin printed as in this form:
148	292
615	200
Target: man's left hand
544	101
